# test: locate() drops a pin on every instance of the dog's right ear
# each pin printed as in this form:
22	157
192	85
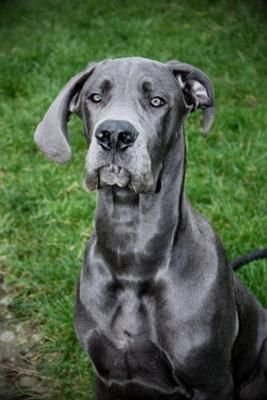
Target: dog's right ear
51	134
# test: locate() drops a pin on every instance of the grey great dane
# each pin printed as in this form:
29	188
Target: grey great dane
159	310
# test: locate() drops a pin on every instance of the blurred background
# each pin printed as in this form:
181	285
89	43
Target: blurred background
46	217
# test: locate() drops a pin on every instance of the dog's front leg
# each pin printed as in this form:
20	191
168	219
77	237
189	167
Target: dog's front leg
117	392
104	392
224	391
133	391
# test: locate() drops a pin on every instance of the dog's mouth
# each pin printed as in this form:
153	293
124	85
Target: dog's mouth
113	174
118	177
109	175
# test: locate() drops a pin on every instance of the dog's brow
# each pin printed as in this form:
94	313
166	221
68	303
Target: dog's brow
147	86
106	85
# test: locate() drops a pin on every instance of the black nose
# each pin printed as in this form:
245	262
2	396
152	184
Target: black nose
115	135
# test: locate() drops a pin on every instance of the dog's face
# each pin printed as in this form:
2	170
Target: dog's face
132	110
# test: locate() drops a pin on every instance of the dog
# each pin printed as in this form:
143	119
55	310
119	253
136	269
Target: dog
159	311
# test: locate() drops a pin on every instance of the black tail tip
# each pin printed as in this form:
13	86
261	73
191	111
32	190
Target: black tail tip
257	254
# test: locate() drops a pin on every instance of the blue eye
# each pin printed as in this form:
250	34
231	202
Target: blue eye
95	98
157	102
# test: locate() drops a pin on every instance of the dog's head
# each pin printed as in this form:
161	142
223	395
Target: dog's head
132	109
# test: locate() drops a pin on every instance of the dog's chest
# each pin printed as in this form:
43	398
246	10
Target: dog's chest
126	312
125	345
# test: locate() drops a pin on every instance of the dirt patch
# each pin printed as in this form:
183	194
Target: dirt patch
19	342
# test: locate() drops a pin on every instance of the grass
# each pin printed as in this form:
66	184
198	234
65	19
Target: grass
45	215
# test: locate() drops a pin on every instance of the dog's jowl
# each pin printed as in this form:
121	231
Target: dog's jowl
159	311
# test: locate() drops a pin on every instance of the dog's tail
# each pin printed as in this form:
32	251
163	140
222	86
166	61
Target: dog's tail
249	257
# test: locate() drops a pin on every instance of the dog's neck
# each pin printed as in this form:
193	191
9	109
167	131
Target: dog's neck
136	233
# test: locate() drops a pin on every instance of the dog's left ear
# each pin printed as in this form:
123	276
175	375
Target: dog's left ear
197	90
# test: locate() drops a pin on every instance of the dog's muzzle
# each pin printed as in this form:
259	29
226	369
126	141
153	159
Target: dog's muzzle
115	137
118	156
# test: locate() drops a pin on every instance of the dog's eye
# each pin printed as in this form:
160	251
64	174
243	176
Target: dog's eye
95	98
157	102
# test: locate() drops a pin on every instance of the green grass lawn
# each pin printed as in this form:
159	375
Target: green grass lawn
46	217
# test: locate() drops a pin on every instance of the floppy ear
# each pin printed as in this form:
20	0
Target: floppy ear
51	134
197	90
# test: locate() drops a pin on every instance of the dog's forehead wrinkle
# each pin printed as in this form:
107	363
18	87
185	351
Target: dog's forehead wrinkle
132	69
124	62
